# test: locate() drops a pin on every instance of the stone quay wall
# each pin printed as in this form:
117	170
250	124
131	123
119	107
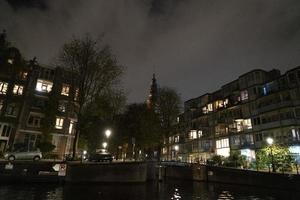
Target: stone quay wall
225	175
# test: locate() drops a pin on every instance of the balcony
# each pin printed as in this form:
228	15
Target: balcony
274	106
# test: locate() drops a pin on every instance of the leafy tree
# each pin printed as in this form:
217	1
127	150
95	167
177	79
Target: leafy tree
216	160
140	123
276	154
235	159
94	70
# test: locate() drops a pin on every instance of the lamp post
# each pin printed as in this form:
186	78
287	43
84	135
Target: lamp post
107	134
270	143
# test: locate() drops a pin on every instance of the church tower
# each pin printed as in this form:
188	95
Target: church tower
153	96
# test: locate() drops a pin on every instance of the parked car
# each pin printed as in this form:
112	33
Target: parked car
100	157
24	155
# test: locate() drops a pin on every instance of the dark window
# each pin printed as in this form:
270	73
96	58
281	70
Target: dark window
292	77
258	137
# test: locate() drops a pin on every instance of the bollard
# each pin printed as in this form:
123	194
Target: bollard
160	171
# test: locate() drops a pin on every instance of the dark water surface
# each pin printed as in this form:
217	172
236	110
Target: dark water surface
171	190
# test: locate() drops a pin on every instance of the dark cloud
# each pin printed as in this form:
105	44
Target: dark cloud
192	45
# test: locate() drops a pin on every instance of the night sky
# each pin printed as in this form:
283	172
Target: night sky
194	46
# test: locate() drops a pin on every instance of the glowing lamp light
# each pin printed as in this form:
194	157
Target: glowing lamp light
107	133
270	141
104	144
176	148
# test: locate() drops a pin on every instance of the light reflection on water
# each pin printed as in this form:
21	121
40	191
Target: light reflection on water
172	190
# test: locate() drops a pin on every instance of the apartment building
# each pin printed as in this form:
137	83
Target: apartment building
29	94
239	116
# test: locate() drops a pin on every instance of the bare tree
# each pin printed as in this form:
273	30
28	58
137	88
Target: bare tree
169	103
94	71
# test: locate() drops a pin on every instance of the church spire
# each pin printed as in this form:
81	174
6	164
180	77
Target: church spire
152	98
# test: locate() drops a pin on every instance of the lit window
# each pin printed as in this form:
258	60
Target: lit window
43	85
239	125
18	89
76	96
247	123
210	107
65	89
219	104
244	95
23	75
176	138
59	123
164	150
204	110
222	143
193	134
200	134
10	61
226	102
3	87
71	127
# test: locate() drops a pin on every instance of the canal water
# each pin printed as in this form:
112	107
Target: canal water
167	190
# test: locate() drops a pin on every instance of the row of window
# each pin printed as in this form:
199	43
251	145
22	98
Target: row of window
12	109
5	130
35	121
46	86
17	90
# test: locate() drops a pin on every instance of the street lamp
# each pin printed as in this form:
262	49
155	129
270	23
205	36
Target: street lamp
270	142
104	144
107	133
